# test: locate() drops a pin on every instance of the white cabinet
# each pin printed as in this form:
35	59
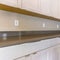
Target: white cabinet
43	55
44	7
49	54
31	5
19	3
54	8
50	8
58	9
9	2
52	54
58	50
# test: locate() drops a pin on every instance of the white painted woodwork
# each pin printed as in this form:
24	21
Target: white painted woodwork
12	52
54	8
31	5
19	3
44	7
58	16
9	2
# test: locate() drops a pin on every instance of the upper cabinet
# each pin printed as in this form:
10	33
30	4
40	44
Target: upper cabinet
54	8
47	9
31	5
44	7
58	8
19	3
9	2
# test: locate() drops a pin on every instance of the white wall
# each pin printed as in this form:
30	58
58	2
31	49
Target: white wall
12	52
27	23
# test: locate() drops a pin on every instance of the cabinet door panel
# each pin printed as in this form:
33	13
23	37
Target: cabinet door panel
43	55
9	2
58	51
44	7
19	3
54	8
52	54
31	5
58	9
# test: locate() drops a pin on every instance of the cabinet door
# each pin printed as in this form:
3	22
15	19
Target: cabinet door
43	55
9	21
58	9
44	7
31	5
54	8
52	54
9	2
58	50
19	3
